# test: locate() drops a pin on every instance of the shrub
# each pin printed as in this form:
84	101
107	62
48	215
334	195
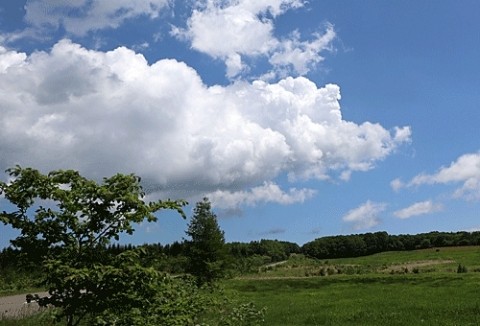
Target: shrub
461	268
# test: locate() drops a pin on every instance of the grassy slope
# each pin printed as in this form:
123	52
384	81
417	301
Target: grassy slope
379	293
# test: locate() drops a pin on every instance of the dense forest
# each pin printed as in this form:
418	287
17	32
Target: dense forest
369	243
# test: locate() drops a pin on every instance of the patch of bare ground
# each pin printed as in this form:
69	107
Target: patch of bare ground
276	264
15	306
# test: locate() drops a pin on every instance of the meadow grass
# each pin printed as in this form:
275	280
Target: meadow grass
24	319
371	290
425	260
379	294
414	299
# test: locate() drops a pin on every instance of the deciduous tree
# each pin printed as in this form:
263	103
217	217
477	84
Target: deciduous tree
68	220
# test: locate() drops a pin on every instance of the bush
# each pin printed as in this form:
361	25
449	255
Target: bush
461	268
223	311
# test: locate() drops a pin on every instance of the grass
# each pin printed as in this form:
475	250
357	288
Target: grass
379	292
6	293
372	290
365	300
426	260
24	319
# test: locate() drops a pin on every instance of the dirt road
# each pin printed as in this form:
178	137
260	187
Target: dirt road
16	305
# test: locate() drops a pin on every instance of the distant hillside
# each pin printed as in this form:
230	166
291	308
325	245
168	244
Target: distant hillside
355	245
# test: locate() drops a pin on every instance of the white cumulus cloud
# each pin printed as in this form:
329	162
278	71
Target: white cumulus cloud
234	31
365	216
10	58
107	112
465	171
420	208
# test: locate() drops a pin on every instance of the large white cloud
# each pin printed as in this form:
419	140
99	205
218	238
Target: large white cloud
365	216
236	30
465	170
420	208
79	17
107	112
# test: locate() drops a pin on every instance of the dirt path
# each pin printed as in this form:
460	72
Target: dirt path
276	264
16	305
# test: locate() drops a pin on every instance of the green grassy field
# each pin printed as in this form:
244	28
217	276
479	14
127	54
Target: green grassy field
394	288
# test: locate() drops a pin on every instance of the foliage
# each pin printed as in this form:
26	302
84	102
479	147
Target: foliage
161	300
66	221
13	280
25	318
461	269
206	251
224	311
357	245
276	250
251	264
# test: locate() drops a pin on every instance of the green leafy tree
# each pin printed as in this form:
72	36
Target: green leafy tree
67	221
206	251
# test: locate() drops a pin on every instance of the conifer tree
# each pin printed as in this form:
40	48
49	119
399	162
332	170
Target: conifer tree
206	249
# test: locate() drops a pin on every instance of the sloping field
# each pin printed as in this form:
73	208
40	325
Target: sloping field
394	288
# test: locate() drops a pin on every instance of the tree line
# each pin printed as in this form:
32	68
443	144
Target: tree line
266	251
245	257
356	245
341	246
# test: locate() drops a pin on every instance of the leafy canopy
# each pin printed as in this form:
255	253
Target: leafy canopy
65	221
74	212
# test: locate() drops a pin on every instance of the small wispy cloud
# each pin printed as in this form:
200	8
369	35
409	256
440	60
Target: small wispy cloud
420	208
274	231
316	230
465	171
82	17
397	184
365	216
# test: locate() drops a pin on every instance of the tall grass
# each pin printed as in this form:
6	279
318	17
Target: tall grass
24	317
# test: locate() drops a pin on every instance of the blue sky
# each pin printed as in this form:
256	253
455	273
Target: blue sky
297	119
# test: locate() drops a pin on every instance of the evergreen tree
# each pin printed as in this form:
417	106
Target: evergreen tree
206	250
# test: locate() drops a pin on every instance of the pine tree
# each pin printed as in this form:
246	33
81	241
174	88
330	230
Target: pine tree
206	250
